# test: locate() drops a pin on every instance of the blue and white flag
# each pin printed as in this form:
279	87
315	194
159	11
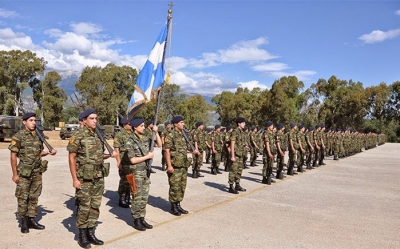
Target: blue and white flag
151	77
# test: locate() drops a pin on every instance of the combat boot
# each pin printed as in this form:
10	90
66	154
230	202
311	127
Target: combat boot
122	201
232	190
174	209
264	180
24	225
198	173
218	171
33	224
137	224
335	158
145	224
128	197
239	188
213	172
82	238
180	209
92	237
194	174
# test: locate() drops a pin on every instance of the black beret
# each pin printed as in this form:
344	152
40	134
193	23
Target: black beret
245	128
177	119
80	118
217	126
269	123
322	126
317	126
293	124
87	112
228	128
240	120
339	129
310	128
166	123
136	122
223	129
199	124
149	122
280	126
125	120
253	128
301	127
28	115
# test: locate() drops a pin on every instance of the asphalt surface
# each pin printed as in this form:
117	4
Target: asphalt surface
350	203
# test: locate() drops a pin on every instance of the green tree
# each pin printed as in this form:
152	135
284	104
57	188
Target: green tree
17	68
49	98
378	98
107	90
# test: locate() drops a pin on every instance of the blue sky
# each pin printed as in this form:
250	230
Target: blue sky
216	45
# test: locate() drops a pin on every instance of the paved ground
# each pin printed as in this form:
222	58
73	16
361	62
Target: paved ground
350	203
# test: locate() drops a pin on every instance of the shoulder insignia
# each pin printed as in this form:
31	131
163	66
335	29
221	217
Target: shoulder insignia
13	142
115	139
165	139
71	140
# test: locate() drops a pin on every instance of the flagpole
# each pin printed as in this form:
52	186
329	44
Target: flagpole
169	19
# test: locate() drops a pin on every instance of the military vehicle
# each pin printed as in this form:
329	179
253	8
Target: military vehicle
9	125
66	131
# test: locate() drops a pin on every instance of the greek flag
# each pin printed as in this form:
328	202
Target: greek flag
151	77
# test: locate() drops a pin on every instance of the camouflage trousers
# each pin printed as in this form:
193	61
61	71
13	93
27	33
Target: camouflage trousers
139	202
300	158
123	186
88	200
235	172
268	164
177	184
163	162
208	154
216	159
27	192
198	161
292	158
280	161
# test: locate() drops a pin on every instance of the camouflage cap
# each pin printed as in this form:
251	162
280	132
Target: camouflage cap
28	115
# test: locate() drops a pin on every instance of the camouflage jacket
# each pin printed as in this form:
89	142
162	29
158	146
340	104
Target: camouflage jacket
217	139
28	147
177	146
137	147
292	135
240	139
120	141
269	137
200	138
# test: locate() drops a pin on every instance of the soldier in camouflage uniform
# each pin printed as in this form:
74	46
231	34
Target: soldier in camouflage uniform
269	153
254	148
27	174
227	145
245	157
293	147
310	147
281	146
301	140
316	144
208	142
238	149
148	132
164	134
216	146
87	167
123	164
199	142
138	152
177	164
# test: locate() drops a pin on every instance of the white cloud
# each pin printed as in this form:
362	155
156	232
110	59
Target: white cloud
274	66
10	40
378	36
84	28
7	13
252	84
397	12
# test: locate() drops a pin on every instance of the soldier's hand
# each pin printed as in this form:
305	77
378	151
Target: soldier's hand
76	184
53	152
196	152
150	155
15	179
155	128
106	156
170	170
270	155
114	154
233	159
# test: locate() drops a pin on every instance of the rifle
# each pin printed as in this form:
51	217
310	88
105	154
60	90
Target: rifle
97	129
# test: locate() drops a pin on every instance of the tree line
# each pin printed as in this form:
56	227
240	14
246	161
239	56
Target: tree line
334	102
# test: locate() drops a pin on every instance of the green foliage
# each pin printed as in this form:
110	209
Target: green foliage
16	69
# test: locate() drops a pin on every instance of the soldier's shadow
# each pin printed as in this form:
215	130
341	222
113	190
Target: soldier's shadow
221	187
250	179
70	222
158	202
119	212
41	212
